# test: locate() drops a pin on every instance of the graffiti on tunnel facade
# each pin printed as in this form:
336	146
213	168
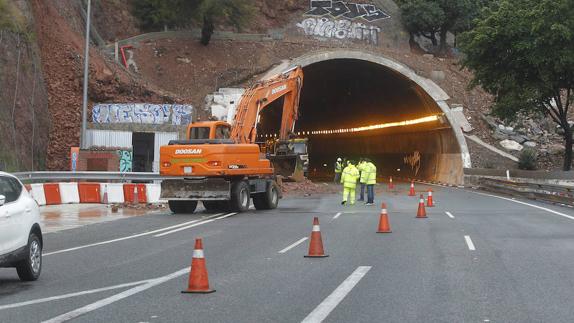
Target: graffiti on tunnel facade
155	114
340	20
346	10
340	29
414	161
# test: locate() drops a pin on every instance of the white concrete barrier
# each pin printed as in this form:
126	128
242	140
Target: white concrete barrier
153	192
69	193
37	193
115	192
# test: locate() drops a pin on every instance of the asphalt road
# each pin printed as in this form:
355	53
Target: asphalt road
489	259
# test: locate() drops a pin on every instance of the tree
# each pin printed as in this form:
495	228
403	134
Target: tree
429	18
234	12
183	13
522	51
155	14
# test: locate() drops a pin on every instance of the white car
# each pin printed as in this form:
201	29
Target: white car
20	233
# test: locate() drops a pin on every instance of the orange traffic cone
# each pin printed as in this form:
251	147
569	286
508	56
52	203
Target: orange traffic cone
316	243
422	213
136	195
412	191
384	226
429	200
198	281
391	185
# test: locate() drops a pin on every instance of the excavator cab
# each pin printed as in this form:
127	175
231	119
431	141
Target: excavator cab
209	130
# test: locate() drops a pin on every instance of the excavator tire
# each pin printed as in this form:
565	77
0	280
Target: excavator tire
179	207
240	197
269	199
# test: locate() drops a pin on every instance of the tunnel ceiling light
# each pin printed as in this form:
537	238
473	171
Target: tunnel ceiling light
377	126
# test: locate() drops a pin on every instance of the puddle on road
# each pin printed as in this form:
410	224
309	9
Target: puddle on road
63	217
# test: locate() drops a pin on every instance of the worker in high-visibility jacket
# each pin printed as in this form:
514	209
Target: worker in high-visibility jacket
369	176
338	169
349	180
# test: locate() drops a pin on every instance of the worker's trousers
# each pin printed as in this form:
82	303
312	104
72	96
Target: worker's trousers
349	192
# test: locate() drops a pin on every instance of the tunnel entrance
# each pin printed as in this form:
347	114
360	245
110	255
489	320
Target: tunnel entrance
355	105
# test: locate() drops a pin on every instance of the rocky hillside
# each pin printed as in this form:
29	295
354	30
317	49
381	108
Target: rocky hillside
24	117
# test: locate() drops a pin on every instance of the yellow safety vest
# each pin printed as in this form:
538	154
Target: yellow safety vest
350	176
338	167
370	171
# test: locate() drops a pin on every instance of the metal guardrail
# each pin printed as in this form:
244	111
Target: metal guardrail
96	176
543	192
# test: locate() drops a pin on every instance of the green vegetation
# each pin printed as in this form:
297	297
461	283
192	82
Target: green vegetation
527	160
11	18
434	19
155	14
522	52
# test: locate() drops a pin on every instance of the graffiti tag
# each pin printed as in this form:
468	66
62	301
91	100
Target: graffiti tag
125	161
340	29
156	114
347	10
414	161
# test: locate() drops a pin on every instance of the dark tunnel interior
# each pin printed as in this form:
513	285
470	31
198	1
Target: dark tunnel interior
347	93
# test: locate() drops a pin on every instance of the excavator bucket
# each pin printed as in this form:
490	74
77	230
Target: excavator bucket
290	167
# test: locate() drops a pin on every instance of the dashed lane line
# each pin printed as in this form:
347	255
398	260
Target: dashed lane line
117	297
129	237
449	215
469	243
337	215
194	225
321	312
291	246
71	295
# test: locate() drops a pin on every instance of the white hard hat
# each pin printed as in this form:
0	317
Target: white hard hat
339	159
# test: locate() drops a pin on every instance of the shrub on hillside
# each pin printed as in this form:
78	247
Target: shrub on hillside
527	159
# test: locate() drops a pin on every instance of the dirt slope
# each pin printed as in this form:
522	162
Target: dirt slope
62	58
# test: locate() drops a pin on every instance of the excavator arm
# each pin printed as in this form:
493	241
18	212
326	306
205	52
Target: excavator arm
287	85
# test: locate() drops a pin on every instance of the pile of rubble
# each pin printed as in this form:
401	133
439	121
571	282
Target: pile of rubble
541	135
307	188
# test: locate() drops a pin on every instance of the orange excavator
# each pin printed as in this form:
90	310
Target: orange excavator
220	164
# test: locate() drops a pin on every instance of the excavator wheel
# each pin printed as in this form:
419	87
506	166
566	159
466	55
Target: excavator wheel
240	197
179	207
269	199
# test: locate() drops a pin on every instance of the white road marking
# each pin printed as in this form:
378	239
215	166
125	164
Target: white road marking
194	225
112	299
291	246
449	215
76	294
328	305
337	215
528	204
469	243
128	237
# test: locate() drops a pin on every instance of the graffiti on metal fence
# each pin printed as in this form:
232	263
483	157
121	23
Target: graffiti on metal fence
414	161
346	10
156	114
340	29
125	161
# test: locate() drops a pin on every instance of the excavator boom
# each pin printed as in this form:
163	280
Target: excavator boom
288	85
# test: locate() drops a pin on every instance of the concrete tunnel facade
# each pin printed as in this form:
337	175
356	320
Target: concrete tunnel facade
347	89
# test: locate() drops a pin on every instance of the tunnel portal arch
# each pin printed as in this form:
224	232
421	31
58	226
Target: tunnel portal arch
449	154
